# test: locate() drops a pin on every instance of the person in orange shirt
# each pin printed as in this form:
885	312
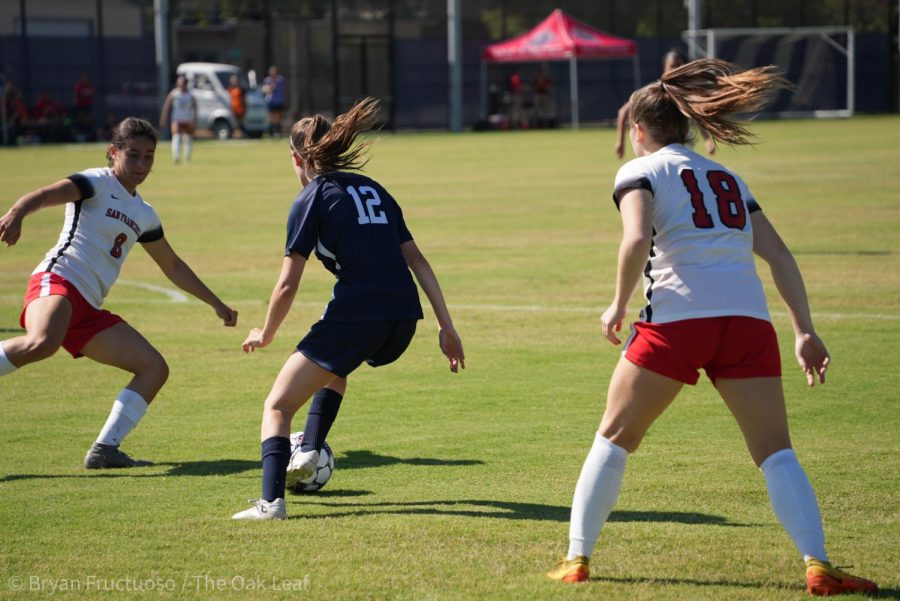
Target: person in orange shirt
238	106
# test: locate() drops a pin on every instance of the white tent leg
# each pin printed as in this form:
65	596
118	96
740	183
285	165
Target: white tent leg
573	89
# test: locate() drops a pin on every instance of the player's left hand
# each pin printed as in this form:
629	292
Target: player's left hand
255	340
227	315
812	356
611	322
451	346
710	146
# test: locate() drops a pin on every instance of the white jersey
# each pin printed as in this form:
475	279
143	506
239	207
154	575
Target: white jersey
701	258
182	106
98	232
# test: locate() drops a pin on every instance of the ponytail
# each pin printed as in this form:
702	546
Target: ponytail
709	91
330	146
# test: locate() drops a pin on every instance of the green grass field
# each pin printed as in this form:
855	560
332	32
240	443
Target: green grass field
455	486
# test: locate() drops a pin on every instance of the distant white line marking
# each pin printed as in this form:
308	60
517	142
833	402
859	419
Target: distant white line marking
175	296
178	297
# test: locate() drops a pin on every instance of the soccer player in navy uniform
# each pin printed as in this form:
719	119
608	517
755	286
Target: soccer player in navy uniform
356	230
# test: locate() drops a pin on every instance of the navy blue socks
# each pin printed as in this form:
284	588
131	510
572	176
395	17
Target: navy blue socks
276	454
323	411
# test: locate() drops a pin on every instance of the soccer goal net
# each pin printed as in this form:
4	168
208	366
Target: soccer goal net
818	60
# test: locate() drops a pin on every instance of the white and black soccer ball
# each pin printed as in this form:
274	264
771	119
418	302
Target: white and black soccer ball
323	470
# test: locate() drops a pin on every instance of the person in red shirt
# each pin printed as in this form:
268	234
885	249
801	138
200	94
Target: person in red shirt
84	105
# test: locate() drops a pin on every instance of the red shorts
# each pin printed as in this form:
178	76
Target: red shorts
726	347
86	321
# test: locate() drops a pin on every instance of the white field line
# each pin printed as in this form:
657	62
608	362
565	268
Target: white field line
176	296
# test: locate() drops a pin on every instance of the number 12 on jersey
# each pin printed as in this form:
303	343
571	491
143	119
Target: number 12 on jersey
368	213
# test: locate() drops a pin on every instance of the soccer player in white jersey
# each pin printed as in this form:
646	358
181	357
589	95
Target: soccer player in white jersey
181	106
105	216
691	227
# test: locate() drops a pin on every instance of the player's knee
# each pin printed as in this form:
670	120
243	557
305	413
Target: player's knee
39	347
622	436
153	366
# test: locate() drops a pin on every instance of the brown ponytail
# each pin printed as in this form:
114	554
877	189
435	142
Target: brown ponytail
709	91
330	146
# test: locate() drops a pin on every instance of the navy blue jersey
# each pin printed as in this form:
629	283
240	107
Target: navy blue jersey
356	229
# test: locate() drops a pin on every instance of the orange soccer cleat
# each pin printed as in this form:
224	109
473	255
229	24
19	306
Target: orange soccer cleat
571	570
825	580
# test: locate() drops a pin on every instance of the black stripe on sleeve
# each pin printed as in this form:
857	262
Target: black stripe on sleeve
151	235
69	239
84	185
753	206
642	183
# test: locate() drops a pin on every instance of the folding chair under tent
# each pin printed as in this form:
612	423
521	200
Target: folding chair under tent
559	37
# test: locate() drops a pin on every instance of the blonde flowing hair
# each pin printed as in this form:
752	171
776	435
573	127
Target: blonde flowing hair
328	146
709	91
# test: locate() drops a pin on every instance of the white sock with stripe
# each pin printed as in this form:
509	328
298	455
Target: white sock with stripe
126	412
6	366
795	503
595	495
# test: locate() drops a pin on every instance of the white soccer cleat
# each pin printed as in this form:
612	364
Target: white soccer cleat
263	510
301	467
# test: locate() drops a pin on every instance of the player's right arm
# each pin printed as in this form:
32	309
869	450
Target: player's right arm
164	115
621	117
58	193
279	303
808	347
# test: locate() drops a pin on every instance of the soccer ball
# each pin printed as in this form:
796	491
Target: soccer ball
323	470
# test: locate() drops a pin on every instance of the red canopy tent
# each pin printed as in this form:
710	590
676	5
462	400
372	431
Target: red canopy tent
560	37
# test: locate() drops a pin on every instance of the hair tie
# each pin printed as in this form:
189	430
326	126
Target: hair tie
661	84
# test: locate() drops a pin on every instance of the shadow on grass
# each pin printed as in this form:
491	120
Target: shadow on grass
696	582
506	510
217	467
226	467
350	460
888	593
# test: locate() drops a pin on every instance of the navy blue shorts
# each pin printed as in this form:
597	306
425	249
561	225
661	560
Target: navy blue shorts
342	346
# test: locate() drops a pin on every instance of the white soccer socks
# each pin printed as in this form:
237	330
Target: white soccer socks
176	147
188	146
795	503
6	366
126	412
595	495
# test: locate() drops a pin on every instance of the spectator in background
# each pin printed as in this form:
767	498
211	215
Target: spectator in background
543	109
84	107
51	119
274	87
238	106
515	99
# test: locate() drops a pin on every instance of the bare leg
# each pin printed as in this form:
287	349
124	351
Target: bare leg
122	346
636	397
298	380
46	322
758	406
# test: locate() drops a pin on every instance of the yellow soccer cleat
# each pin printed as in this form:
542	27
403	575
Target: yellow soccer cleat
825	580
571	570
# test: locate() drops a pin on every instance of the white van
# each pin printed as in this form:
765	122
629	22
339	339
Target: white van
209	82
